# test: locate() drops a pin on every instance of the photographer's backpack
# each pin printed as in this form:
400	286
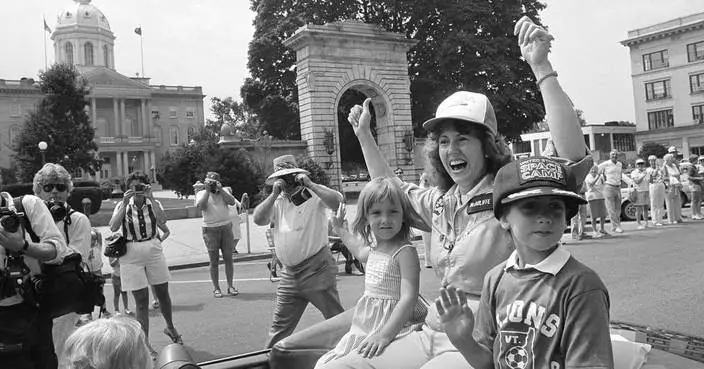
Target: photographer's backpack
69	288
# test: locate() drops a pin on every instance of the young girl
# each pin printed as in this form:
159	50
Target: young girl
117	288
390	307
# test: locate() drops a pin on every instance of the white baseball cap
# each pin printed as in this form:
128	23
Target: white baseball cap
466	106
672	149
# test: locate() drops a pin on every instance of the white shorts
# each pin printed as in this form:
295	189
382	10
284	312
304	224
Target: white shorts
143	265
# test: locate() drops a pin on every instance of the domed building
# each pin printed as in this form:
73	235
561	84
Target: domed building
136	122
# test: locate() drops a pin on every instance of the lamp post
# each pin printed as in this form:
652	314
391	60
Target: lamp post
42	148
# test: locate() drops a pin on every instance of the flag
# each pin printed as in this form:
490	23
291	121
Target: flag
46	27
138	30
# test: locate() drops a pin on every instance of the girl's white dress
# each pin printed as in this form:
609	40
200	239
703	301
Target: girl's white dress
382	291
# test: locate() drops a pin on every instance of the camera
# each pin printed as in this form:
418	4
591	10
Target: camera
16	278
300	196
58	210
140	187
10	220
213	186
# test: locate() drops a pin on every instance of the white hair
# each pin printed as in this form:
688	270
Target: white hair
114	343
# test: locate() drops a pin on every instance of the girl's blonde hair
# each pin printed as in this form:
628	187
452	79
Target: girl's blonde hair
496	152
377	190
114	343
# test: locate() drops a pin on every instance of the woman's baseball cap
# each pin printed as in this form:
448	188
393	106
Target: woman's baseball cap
640	161
465	106
652	157
535	176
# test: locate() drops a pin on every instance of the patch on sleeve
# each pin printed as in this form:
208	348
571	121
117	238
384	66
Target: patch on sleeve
541	169
439	206
481	202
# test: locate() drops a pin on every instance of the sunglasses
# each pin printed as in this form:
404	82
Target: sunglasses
59	187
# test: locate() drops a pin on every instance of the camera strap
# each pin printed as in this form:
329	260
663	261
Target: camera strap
16	205
67	221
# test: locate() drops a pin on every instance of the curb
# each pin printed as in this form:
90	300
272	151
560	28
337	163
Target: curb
238	259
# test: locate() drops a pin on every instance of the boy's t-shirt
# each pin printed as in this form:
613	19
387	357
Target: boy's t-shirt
552	315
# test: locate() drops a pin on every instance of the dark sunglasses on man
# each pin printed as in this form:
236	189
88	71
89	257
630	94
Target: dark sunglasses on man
59	187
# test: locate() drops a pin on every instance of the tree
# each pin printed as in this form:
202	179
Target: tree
229	111
461	45
60	119
652	148
182	168
580	116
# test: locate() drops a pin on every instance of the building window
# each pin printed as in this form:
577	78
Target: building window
14	136
657	90
191	133
106	56
190	114
155	112
173	136
15	110
698	114
655	60
624	142
172	112
68	50
696	150
521	147
89	53
695	51
660	119
696	83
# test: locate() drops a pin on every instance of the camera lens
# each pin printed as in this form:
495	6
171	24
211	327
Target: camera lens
10	223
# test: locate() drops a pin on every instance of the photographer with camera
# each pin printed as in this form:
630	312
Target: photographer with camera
214	202
139	215
25	326
53	184
297	208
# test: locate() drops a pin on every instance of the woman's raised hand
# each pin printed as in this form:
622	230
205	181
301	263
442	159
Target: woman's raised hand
455	315
338	219
534	41
360	117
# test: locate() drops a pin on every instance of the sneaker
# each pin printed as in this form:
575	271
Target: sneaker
658	224
603	232
155	304
129	312
105	314
597	235
641	227
618	230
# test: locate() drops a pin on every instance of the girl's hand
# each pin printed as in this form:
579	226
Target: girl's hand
360	117
338	219
534	42
455	315
373	345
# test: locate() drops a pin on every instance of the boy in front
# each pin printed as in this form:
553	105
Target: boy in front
541	308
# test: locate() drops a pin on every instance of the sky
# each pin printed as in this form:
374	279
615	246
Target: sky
204	43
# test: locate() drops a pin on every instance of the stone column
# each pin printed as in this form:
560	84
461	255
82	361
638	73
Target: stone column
122	119
118	163
126	162
116	124
145	119
150	122
93	113
611	141
145	156
592	141
152	159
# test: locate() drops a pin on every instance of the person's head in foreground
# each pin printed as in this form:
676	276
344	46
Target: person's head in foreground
52	183
613	155
652	160
114	343
384	212
463	144
138	182
287	170
693	159
534	198
669	159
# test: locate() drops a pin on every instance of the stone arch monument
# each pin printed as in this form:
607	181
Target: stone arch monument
336	57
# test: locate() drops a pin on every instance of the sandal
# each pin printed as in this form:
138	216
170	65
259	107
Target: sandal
232	291
173	335
217	294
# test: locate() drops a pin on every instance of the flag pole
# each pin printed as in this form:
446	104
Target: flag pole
44	33
141	46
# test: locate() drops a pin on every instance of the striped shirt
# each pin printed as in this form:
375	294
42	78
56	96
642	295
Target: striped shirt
140	223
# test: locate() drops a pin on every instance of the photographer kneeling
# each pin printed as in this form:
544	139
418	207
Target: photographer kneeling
25	327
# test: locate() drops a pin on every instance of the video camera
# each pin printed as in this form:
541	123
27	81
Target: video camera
175	356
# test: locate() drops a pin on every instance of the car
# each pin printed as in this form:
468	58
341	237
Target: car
628	210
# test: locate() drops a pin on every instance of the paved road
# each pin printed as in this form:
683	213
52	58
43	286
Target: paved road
653	277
